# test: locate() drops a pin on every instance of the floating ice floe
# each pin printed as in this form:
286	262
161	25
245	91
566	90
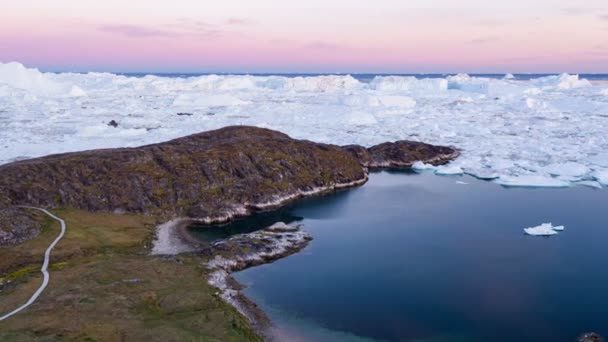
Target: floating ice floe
421	166
533	181
591	184
601	176
545	229
448	170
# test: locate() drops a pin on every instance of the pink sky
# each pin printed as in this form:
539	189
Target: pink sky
313	36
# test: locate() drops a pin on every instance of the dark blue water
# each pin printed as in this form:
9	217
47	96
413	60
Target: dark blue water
418	257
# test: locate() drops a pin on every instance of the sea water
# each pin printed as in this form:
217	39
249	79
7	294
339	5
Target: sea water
418	257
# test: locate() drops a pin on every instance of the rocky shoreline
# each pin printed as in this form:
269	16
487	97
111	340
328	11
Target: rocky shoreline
243	251
232	255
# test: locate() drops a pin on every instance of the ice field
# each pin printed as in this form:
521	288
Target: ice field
551	131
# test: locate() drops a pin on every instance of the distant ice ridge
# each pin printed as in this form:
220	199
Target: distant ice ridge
545	229
17	76
548	132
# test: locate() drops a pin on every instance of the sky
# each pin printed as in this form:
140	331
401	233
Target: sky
313	36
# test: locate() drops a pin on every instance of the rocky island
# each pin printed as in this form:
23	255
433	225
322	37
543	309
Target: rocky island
113	199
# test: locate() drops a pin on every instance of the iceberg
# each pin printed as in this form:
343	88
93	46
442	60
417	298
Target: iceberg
545	229
561	82
32	80
549	131
408	84
467	83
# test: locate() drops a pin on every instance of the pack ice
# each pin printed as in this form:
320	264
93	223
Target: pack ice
543	132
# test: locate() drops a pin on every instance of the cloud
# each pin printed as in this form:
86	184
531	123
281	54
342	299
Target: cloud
181	28
137	31
322	45
604	17
599	50
240	21
485	40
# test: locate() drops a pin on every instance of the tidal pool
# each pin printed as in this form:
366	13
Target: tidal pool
418	257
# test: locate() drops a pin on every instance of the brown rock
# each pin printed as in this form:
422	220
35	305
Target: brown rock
213	175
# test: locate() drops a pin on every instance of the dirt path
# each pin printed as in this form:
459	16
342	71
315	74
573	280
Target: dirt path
45	265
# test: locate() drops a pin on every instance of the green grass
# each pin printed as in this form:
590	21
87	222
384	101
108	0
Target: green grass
104	287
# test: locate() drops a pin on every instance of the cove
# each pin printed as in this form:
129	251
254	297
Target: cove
418	257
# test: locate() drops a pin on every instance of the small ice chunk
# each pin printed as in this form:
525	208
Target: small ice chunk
397	101
532	181
533	91
482	173
207	100
421	166
601	176
360	118
545	229
591	184
567	169
509	77
448	170
600	159
77	92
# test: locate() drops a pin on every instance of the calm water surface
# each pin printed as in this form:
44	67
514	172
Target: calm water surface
417	257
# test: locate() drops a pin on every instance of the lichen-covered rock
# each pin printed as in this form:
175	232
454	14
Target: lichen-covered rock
214	174
210	176
18	225
403	154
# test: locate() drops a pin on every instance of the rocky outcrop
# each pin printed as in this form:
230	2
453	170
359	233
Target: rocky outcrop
243	251
401	154
210	176
18	225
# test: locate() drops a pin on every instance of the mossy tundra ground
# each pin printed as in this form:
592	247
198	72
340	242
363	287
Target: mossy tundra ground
106	287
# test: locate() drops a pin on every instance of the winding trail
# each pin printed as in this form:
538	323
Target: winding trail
45	265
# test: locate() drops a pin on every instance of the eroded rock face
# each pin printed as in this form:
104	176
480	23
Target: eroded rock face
210	176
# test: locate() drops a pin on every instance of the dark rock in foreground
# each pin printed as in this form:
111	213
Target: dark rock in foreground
210	176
